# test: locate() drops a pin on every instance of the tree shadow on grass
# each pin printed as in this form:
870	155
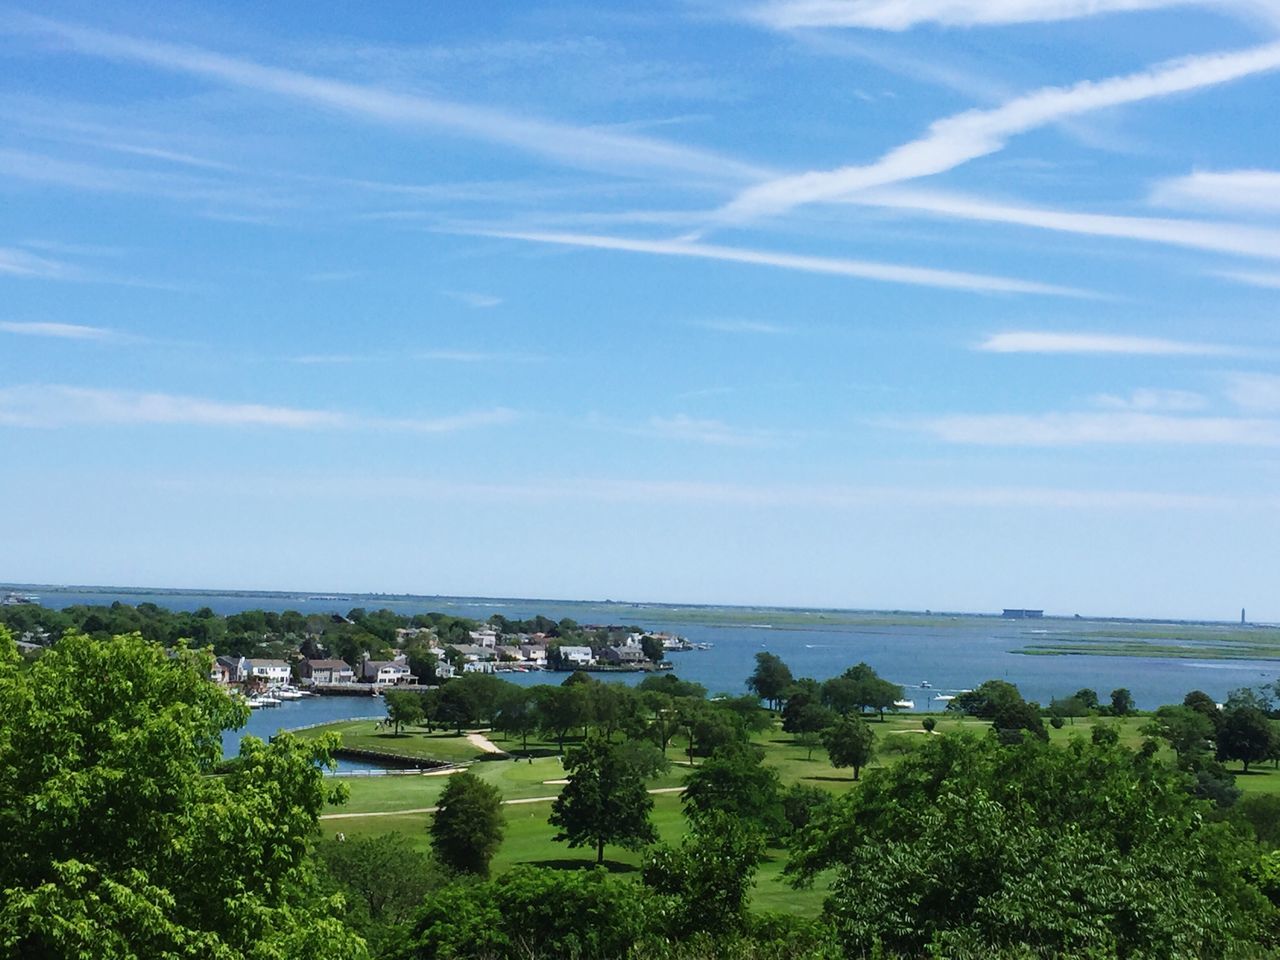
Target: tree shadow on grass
830	779
571	863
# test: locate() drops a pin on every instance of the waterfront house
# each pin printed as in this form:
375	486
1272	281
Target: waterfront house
535	653
328	671
228	670
509	654
626	653
484	637
479	666
271	672
576	656
472	651
386	672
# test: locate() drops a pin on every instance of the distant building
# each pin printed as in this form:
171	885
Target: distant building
576	656
1019	613
270	671
386	672
328	671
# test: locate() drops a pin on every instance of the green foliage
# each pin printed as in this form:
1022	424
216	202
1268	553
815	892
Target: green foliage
653	649
850	743
799	804
1121	702
1186	729
468	825
382	879
605	800
770	678
1262	813
1245	735
986	699
519	715
928	723
533	913
672	686
708	878
113	840
404	707
971	848
735	782
1013	718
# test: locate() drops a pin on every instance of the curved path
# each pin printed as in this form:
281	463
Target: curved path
403	813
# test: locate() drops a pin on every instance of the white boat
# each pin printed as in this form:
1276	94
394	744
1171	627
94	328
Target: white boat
925	684
287	693
905	704
254	703
268	701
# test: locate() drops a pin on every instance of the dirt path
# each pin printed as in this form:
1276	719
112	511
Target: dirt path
481	742
405	813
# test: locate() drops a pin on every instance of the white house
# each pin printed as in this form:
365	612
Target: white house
484	638
478	666
327	671
384	672
272	672
577	656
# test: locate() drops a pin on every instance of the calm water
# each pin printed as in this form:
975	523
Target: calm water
951	653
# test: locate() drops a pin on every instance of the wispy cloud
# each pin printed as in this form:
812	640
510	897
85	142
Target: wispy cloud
480	301
862	269
1121	428
1240	191
905	14
742	326
714	433
962	137
1216	236
1258	392
55	405
61	331
20	263
1030	341
1268	281
1149	399
579	147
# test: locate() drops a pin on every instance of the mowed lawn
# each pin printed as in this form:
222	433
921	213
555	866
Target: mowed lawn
529	838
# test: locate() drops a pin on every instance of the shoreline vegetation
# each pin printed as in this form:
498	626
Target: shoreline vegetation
593	819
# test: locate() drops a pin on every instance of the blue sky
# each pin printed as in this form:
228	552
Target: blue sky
949	304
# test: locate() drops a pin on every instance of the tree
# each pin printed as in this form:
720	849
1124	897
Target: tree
708	877
1121	702
1011	719
986	699
519	715
1204	704
735	782
383	880
1185	729
404	707
468	825
1262	812
769	679
1068	707
1088	697
114	841
1245	736
850	743
969	848
561	709
653	649
605	800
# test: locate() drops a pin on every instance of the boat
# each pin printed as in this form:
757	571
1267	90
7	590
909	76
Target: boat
925	684
18	599
945	698
268	701
904	704
287	693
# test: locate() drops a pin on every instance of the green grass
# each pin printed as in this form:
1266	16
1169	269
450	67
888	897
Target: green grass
529	836
412	742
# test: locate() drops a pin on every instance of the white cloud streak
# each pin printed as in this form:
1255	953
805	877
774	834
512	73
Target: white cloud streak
1252	278
742	326
1240	191
1218	237
1258	392
54	405
905	14
477	301
60	331
960	138
1085	429
20	263
1030	341
1150	399
715	433
861	269
574	146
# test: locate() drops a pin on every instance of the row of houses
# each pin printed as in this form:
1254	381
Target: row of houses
279	673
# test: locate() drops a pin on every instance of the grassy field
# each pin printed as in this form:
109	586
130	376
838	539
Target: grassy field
529	836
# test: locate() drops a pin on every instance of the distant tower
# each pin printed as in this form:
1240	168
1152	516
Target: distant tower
1242	616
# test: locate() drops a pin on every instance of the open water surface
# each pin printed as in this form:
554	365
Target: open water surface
950	652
